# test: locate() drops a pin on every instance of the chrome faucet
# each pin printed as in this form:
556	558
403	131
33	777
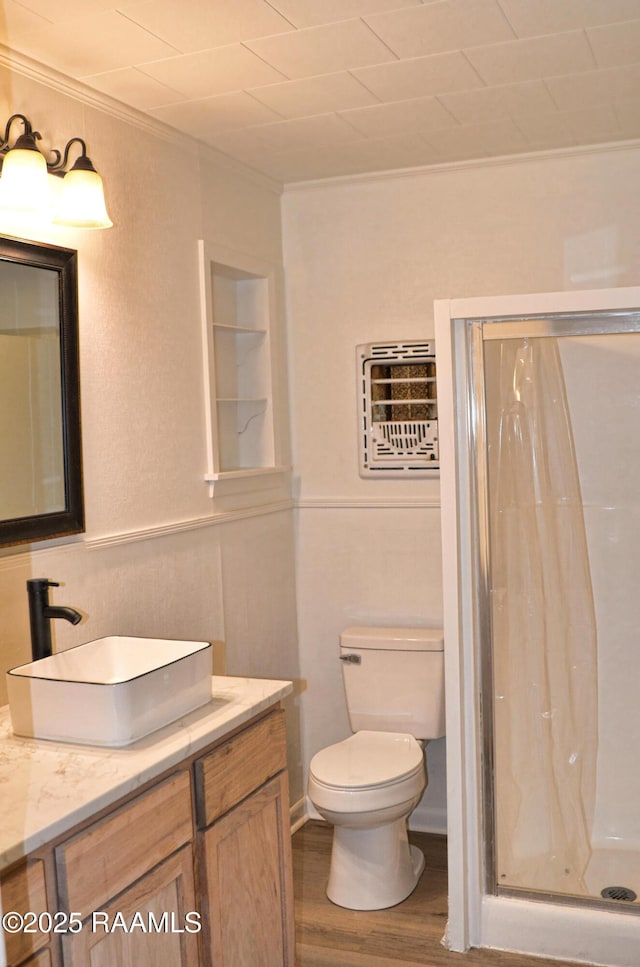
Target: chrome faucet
40	614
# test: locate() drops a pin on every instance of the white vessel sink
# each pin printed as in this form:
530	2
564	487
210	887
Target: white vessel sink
110	691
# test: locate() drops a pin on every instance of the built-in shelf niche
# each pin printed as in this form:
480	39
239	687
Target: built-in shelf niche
237	301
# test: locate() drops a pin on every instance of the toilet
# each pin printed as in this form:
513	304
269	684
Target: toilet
368	784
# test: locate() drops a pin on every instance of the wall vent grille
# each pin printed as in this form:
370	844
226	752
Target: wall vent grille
398	409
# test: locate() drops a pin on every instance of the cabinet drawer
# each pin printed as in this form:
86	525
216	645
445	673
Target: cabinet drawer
101	861
231	772
24	890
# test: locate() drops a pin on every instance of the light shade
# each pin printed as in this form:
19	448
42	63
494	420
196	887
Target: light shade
24	184
77	199
81	201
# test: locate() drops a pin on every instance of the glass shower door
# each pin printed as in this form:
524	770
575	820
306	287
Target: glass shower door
561	468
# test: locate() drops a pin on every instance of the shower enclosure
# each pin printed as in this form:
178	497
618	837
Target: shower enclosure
540	484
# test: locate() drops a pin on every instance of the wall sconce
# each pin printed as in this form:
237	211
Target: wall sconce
25	188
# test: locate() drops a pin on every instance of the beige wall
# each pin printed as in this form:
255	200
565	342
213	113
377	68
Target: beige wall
365	259
158	556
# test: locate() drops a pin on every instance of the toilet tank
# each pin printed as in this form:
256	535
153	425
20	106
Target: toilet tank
394	679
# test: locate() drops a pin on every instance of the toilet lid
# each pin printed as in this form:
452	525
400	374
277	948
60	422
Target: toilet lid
367	759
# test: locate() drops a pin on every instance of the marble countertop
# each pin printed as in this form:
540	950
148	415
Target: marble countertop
46	787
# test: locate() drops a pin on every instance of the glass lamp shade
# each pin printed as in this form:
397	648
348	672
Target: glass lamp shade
81	201
24	183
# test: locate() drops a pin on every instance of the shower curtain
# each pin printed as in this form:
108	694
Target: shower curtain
543	624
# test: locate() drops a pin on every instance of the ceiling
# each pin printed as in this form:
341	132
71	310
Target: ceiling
305	89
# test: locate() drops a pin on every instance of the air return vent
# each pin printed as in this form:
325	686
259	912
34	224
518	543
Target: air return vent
398	409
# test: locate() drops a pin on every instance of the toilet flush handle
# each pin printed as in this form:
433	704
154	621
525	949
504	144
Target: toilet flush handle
352	659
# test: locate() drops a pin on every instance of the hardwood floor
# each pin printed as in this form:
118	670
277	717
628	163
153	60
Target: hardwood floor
408	935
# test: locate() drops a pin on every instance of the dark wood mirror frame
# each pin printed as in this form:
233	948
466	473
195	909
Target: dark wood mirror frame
69	520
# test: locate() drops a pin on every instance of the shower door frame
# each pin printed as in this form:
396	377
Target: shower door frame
480	914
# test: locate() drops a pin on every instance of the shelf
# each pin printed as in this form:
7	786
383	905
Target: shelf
241	399
238	303
242	330
245	472
242	473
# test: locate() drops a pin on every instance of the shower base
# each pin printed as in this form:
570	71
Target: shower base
613	867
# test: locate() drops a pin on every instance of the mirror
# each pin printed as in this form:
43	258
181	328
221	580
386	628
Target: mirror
40	442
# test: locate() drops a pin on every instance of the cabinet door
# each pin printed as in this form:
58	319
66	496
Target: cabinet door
163	897
249	882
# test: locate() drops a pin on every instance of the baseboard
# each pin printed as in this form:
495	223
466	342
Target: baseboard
298	814
429	819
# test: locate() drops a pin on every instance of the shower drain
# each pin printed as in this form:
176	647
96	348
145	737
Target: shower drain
618	893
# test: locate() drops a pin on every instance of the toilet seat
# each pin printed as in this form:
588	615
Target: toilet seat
368	761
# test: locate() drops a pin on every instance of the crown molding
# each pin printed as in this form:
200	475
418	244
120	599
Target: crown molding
48	76
505	160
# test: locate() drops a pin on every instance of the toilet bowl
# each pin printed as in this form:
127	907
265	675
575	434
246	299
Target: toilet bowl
367	786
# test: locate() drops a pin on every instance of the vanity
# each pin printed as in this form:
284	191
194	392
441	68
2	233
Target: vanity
174	850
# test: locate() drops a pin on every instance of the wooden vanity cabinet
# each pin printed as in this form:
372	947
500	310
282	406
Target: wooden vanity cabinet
212	837
242	801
